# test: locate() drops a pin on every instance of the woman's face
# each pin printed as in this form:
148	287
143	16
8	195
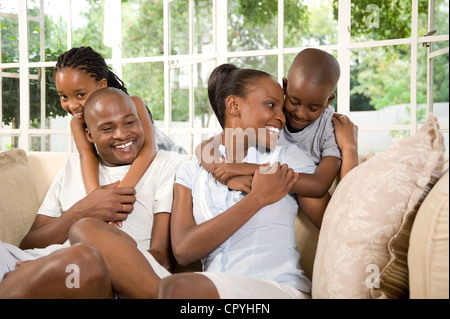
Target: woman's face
74	87
262	113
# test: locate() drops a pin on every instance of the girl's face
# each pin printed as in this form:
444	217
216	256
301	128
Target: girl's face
74	87
262	113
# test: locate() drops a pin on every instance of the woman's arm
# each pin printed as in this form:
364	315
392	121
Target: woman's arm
88	155
160	246
191	242
148	150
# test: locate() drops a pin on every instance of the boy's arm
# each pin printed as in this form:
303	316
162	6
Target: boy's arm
314	208
208	154
347	139
148	150
317	184
88	155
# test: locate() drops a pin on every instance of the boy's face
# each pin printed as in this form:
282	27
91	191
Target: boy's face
305	101
115	129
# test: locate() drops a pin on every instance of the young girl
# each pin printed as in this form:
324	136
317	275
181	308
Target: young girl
78	73
246	243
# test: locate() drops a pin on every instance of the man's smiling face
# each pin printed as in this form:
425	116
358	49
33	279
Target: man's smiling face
113	125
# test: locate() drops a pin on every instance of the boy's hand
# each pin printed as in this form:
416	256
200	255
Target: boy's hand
271	183
346	132
224	171
241	183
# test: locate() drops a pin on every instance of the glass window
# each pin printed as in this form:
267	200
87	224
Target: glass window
142	28
252	25
376	49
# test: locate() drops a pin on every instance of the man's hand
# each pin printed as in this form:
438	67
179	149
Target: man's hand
107	203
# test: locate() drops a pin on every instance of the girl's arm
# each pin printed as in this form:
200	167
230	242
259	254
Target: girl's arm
88	155
191	242
148	150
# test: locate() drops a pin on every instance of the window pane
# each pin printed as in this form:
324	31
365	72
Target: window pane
9	36
380	78
56	12
381	20
179	27
309	23
179	90
146	80
10	101
8	142
441	89
441	16
376	141
265	63
203	113
49	143
142	28
252	25
88	26
203	26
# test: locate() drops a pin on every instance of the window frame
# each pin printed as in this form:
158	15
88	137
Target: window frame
220	55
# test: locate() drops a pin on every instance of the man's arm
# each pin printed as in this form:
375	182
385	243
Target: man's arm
105	203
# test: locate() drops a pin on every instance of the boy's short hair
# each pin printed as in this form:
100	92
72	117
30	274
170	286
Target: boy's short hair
316	65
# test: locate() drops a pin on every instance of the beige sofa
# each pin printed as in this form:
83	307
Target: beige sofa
25	178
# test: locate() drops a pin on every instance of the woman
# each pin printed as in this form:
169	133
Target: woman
246	243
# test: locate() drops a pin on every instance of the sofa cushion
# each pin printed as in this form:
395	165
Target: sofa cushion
18	196
367	210
428	255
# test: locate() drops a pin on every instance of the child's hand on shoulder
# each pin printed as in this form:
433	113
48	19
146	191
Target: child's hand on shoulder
346	132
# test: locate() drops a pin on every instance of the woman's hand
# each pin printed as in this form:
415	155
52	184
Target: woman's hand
271	183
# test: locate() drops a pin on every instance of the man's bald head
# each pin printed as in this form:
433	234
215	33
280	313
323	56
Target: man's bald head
100	98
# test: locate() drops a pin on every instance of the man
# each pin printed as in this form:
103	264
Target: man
67	214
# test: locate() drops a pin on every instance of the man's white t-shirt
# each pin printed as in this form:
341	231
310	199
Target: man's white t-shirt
154	192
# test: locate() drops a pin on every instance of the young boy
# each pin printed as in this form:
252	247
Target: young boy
312	78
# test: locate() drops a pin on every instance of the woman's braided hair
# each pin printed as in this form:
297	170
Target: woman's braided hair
87	60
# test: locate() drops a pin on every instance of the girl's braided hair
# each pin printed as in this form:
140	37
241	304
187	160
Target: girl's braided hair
87	60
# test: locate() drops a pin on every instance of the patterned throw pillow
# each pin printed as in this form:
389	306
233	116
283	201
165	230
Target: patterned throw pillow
367	210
